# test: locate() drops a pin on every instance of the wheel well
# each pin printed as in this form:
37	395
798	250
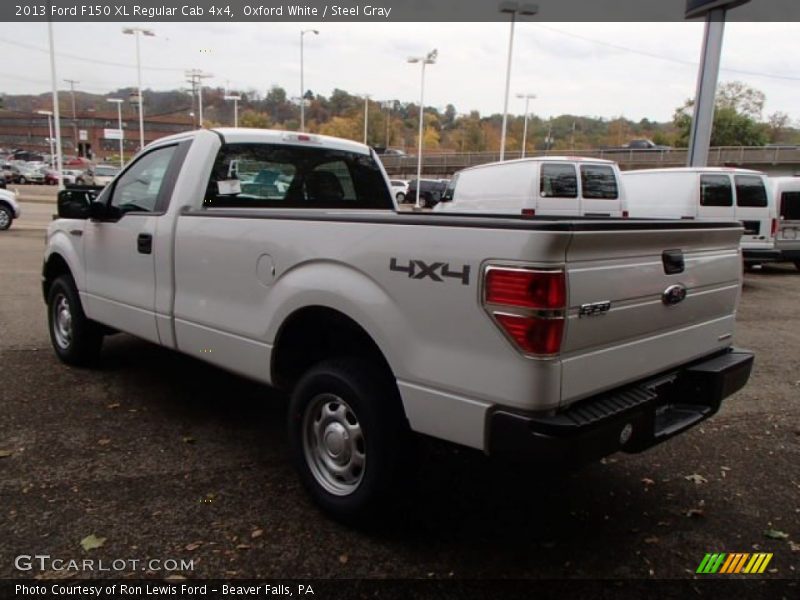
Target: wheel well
316	333
55	267
8	206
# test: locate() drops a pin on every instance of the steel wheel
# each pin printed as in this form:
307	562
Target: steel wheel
5	218
333	444
62	322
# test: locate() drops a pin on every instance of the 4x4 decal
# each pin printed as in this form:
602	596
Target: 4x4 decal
418	269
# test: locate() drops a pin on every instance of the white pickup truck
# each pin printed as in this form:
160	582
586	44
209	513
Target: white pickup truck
551	339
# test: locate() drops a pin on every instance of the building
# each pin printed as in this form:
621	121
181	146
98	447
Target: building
86	135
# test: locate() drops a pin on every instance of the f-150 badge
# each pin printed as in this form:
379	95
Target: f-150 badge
594	309
418	269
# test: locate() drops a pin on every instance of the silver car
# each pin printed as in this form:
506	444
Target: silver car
9	209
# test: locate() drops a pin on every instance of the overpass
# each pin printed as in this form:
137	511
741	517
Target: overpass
777	160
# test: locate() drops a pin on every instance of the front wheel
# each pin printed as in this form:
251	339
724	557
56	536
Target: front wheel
401	197
6	216
76	339
23	181
349	438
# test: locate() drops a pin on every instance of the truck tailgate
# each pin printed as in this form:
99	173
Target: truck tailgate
626	318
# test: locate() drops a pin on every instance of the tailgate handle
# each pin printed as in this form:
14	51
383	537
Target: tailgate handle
673	261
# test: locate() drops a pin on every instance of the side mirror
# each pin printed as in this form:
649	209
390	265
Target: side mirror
98	211
73	204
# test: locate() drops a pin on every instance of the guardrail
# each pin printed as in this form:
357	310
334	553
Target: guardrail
448	163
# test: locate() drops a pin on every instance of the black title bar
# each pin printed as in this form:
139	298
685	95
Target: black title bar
374	11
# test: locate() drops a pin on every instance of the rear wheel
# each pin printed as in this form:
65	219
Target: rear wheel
401	197
349	438
75	338
6	216
22	180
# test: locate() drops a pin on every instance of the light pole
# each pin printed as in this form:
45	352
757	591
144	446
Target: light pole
135	31
302	84
428	59
49	115
56	115
527	98
388	106
118	102
235	99
514	9
366	116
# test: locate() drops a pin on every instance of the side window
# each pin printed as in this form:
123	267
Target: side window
715	190
450	190
137	190
790	206
750	191
598	182
558	181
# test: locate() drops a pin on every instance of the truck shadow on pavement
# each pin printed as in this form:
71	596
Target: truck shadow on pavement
465	514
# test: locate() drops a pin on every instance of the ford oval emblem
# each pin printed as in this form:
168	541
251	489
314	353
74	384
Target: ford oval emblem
674	294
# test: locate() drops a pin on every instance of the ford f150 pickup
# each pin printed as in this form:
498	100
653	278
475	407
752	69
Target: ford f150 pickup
552	339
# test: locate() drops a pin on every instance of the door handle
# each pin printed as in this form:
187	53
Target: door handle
144	243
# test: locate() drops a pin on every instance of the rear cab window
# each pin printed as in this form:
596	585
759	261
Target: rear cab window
716	190
599	181
254	175
558	180
750	191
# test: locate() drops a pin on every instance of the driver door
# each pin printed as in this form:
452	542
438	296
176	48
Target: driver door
118	251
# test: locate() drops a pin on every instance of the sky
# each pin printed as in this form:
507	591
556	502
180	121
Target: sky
635	70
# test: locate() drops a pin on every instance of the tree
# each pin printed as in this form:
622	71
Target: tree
778	123
251	118
742	98
737	110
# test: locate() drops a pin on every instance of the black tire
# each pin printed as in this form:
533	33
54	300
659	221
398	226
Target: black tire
401	197
362	390
797	265
22	181
6	218
76	340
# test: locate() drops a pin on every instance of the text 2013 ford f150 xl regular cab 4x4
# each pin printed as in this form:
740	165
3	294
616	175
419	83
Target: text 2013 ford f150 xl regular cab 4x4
282	257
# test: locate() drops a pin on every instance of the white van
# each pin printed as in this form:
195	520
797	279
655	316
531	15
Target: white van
708	193
786	192
552	185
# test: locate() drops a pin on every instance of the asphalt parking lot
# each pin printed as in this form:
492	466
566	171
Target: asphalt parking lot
161	456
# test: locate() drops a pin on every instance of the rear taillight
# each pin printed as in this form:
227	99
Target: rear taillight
529	306
774	227
625	214
542	290
529	212
531	334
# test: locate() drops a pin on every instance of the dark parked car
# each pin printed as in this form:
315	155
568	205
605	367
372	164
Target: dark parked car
645	144
27	156
430	192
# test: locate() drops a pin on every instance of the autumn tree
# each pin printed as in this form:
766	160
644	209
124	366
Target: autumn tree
737	111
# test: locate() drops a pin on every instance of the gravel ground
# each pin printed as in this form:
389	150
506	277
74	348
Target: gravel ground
166	457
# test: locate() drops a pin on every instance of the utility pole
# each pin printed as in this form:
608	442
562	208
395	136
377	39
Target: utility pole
72	83
196	77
